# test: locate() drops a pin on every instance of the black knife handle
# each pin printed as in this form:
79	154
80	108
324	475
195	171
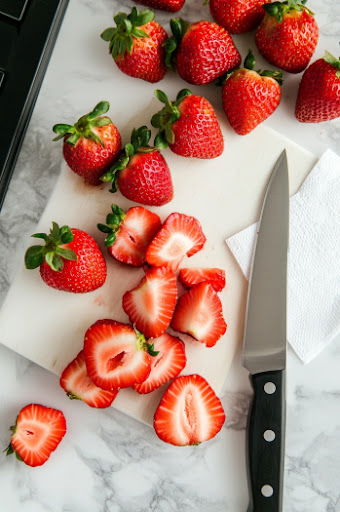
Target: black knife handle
266	440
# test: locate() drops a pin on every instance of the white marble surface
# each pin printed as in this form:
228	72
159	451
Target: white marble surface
108	462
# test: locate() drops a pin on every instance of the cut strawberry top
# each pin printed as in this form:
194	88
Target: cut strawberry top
116	357
150	305
180	235
167	364
37	433
189	412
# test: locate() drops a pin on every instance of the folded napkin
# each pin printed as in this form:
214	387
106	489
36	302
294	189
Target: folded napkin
313	259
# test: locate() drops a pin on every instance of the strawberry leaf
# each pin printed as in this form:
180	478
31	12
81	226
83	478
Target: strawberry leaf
34	256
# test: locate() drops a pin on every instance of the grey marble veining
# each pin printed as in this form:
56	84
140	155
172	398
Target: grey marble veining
109	462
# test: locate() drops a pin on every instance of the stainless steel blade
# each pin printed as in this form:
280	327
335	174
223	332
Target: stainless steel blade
264	345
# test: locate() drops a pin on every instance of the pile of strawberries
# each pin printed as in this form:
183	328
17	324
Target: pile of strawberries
142	354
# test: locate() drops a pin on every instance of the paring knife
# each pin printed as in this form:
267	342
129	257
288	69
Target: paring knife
264	350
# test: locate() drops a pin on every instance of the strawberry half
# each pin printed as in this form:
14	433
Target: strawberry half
141	173
150	305
214	276
167	364
130	233
78	385
180	235
199	313
116	355
189	412
36	434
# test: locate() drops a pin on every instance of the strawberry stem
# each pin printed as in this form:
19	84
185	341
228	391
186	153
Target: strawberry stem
113	222
328	57
279	9
53	252
165	118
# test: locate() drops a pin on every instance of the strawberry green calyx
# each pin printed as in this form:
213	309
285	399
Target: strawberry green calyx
121	37
53	252
178	29
249	63
84	127
139	144
113	222
279	9
165	118
143	344
328	57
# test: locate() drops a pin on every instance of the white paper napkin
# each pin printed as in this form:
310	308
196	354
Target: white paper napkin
314	259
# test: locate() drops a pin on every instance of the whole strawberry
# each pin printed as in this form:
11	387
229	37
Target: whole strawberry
237	16
288	35
319	92
188	125
90	145
137	45
163	5
70	260
249	97
141	173
201	52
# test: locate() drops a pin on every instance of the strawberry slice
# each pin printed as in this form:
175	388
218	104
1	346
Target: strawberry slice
36	434
167	364
214	276
189	412
130	233
150	305
78	385
116	355
199	313
180	235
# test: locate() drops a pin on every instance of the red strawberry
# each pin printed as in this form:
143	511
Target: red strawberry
237	16
288	35
180	235
167	364
91	145
249	97
150	305
78	385
319	92
214	276
199	313
137	45
142	173
36	434
202	51
70	260
116	355
163	5
188	125
130	233
189	412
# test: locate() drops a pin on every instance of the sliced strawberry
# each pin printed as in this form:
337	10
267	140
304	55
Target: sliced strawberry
150	305
189	412
115	355
214	276
77	384
130	233
167	364
199	313
36	434
180	235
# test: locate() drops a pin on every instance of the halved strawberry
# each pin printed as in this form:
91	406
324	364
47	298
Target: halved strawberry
36	434
167	364
150	305
78	385
116	355
180	235
199	313
214	276
130	233
189	412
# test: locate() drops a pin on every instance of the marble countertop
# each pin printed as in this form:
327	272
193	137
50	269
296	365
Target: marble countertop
109	462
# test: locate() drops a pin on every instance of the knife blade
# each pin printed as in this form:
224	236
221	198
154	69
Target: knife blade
264	346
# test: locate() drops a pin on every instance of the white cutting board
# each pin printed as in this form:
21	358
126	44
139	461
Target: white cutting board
47	326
